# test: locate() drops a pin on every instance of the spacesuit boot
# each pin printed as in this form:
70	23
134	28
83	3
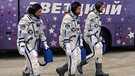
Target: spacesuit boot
38	75
99	71
26	74
71	74
80	66
61	71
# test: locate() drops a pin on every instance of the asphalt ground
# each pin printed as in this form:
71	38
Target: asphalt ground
117	62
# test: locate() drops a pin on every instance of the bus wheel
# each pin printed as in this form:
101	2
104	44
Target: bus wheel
107	37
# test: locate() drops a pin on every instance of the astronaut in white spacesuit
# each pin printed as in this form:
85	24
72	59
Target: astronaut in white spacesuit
70	39
93	37
29	32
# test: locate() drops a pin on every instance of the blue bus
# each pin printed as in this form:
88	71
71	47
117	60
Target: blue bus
118	20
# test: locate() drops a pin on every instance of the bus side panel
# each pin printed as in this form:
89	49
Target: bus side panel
53	37
8	24
124	35
125	25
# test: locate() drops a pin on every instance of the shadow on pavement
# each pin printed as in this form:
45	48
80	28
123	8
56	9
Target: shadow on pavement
15	54
59	52
120	49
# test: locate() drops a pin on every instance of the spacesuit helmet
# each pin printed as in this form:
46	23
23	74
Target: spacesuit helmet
32	9
98	5
74	7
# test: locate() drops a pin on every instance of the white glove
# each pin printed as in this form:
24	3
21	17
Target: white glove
68	49
101	39
81	42
34	53
22	48
46	46
94	40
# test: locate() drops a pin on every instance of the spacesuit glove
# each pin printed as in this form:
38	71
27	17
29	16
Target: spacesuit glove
81	42
68	49
22	48
34	53
46	46
101	39
94	40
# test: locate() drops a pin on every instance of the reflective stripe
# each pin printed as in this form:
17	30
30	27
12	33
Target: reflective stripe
70	65
29	62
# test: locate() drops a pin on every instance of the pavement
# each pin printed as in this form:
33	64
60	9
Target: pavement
117	62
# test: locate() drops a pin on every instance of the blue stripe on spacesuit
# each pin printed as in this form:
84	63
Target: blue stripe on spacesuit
26	69
21	40
93	46
27	43
90	30
35	43
66	40
65	33
93	52
20	33
79	39
29	62
75	46
92	55
27	48
70	65
33	30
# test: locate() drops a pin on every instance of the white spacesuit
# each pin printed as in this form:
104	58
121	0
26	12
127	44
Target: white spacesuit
93	37
29	32
69	36
70	40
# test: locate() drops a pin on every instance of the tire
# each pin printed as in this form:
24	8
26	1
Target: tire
107	37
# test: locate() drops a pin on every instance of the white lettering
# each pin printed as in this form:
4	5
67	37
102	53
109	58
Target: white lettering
87	9
81	10
66	7
117	2
46	7
56	8
33	3
116	9
107	9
